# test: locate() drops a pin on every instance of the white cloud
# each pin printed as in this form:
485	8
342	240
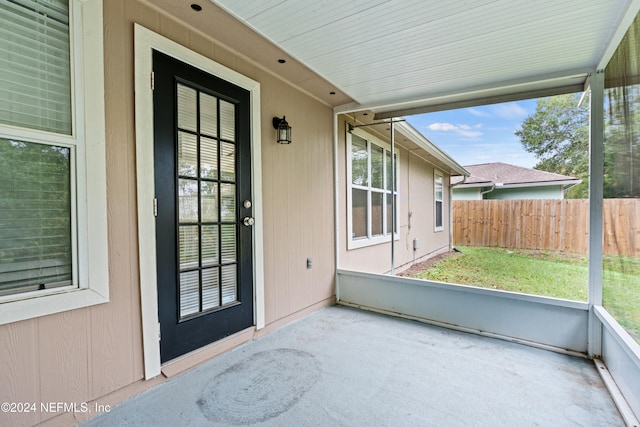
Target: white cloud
444	127
462	130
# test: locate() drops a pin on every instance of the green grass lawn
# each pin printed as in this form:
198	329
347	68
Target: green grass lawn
552	274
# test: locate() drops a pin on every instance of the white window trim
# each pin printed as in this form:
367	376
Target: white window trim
370	240
146	41
437	174
91	266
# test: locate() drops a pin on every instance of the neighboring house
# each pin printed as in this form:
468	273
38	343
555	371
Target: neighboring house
501	181
151	217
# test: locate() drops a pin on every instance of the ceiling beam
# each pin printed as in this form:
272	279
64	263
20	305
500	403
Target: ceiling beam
511	90
474	102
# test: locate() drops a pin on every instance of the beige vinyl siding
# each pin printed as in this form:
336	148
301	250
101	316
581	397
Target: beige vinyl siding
86	354
416	195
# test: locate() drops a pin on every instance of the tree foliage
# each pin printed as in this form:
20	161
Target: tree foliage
557	133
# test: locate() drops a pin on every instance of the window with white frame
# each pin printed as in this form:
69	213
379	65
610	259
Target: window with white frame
52	169
438	189
369	190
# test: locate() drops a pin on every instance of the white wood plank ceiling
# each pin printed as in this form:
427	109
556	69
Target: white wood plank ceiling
394	54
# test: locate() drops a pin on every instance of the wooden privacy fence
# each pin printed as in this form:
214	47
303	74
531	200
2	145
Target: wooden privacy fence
556	225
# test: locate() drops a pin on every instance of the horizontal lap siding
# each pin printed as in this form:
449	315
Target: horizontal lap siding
416	210
85	354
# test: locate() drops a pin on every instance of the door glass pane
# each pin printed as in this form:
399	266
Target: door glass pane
228	243
229	284
208	158
188	200
228	196
188	246
376	214
210	288
189	293
359	213
377	166
228	162
359	161
208	114
187	108
205	202
227	121
187	154
209	201
209	245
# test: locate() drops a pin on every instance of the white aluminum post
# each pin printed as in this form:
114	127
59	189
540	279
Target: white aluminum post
393	199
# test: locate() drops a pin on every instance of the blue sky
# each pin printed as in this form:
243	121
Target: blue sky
479	134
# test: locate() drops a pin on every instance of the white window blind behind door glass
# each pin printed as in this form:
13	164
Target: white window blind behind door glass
35	77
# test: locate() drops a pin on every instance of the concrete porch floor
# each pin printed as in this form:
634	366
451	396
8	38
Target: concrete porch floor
346	367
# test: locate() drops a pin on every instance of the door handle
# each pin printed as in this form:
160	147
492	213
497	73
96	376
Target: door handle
248	221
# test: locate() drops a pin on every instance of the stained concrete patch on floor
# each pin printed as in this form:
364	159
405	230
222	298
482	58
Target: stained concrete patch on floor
259	388
348	367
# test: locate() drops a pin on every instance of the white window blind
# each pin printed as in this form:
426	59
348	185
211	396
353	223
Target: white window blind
35	77
35	217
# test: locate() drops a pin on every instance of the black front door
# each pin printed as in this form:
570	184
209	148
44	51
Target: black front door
202	165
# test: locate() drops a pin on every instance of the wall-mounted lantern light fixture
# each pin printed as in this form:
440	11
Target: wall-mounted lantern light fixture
283	129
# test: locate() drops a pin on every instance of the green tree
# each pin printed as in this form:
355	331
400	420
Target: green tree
557	133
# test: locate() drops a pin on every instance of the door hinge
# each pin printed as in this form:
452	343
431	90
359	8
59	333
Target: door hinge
159	331
155	206
153	81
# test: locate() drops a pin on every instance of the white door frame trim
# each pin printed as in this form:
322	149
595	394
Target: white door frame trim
145	42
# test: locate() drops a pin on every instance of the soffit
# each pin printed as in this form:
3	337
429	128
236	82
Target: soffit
384	53
407	137
241	41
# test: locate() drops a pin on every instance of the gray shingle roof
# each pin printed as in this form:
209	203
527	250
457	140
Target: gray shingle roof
503	173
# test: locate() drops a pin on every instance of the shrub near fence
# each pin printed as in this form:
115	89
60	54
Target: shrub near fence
555	225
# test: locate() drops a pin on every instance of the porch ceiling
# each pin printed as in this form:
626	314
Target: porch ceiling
392	55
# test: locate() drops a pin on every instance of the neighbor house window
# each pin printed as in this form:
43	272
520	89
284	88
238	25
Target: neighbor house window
370	190
437	191
51	157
